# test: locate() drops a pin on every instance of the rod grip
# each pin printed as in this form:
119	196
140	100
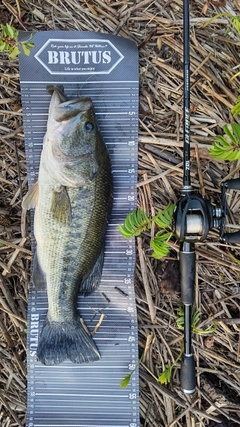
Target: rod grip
232	184
187	375
187	260
232	237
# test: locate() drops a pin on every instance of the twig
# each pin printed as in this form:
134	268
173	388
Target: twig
151	306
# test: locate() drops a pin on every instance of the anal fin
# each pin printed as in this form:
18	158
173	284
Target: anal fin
39	277
92	282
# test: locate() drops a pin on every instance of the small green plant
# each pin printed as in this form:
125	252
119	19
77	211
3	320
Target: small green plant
160	244
137	222
165	376
9	42
234	20
234	25
227	147
196	315
236	109
126	380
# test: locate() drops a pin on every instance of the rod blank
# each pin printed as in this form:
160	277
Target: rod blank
186	90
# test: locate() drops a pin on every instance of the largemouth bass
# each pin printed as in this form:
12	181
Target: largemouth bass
72	201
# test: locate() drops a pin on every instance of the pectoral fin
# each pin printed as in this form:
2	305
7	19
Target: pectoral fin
61	206
31	198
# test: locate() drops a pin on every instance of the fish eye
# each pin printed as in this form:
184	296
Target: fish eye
89	126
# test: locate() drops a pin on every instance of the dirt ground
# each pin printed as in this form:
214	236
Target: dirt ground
157	29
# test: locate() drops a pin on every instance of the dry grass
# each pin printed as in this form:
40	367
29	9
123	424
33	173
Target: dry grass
156	27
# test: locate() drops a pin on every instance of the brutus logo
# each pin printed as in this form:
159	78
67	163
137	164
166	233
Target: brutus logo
34	331
79	56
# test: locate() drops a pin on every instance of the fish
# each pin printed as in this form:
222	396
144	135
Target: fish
73	201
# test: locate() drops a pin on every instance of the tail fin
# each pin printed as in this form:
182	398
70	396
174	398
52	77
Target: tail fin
61	341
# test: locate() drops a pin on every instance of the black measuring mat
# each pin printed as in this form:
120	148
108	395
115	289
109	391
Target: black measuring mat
105	68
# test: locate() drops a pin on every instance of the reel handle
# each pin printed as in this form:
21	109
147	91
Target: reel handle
231	237
232	184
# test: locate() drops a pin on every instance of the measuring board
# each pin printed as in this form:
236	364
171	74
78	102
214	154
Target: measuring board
105	68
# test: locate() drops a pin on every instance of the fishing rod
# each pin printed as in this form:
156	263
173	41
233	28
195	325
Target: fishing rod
193	218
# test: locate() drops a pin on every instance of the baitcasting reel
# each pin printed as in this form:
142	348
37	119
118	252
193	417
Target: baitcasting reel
195	216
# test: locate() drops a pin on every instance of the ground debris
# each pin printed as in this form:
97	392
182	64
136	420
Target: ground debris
170	277
156	27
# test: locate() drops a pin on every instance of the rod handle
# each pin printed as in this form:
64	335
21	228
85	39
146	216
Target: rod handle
187	375
232	237
232	184
187	260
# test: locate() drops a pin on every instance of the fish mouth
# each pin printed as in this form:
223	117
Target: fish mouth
69	109
64	109
58	92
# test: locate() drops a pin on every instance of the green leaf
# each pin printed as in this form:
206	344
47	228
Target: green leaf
229	134
125	381
4	30
236	130
234	20
163	218
227	149
160	244
165	376
207	331
135	223
15	51
3	46
236	23
223	142
26	50
124	232
236	108
28	40
180	323
30	45
195	318
180	318
10	31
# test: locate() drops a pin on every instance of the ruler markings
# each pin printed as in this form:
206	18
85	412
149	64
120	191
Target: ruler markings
119	323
